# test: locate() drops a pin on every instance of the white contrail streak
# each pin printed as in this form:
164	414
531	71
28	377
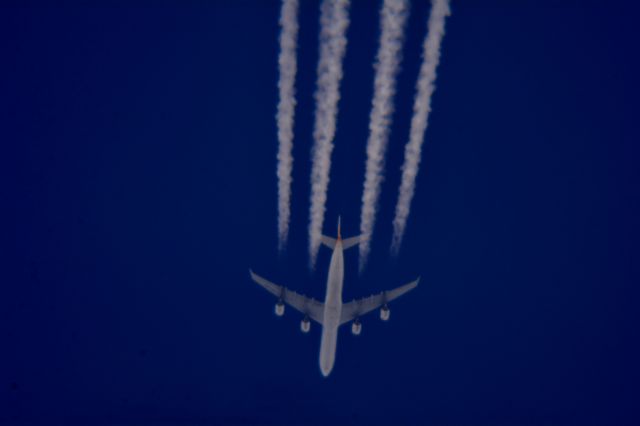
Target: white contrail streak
421	108
334	21
287	65
393	17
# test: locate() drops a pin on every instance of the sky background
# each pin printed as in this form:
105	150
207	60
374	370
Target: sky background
138	186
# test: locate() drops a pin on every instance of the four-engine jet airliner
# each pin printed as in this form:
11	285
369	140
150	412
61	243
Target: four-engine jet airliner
333	313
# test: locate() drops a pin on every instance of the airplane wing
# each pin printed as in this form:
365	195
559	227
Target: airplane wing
357	308
308	306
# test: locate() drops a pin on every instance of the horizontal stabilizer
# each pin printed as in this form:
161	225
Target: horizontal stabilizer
350	242
346	243
328	241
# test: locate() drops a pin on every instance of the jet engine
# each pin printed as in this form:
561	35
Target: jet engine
305	325
280	308
384	313
356	327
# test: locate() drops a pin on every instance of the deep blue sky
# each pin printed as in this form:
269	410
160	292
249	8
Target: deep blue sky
137	170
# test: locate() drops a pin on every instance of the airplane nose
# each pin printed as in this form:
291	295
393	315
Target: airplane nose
325	370
326	366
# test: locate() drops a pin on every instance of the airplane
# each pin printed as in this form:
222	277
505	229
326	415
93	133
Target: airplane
333	313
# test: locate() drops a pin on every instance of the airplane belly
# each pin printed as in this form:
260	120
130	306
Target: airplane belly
328	349
332	312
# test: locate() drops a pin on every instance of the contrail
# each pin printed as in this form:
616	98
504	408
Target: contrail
334	21
393	17
287	65
421	108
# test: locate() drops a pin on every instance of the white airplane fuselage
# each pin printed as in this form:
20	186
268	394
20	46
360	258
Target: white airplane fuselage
332	310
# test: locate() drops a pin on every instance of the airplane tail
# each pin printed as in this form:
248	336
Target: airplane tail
346	243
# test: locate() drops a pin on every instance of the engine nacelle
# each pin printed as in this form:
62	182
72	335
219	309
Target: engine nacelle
356	328
280	309
385	312
305	325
